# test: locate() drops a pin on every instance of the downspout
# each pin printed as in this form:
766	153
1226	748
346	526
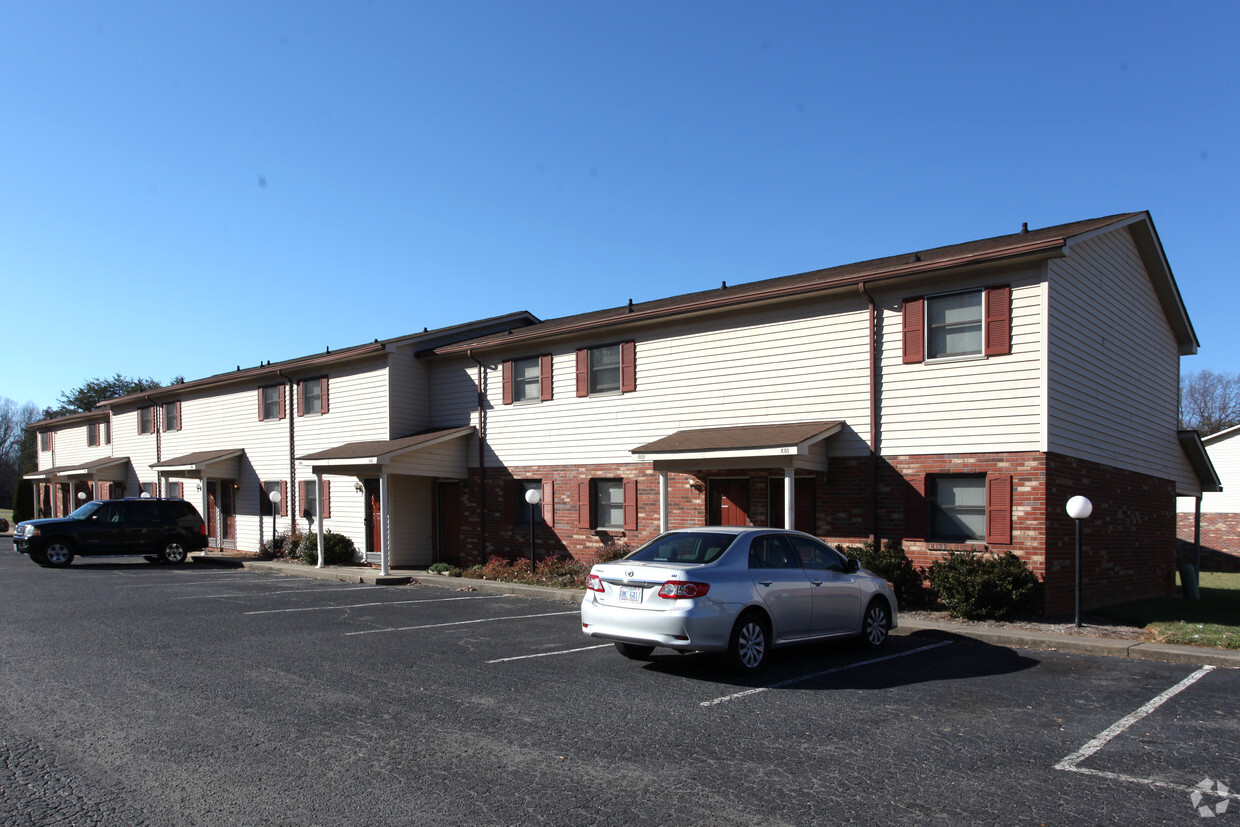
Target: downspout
873	414
482	466
292	454
157	427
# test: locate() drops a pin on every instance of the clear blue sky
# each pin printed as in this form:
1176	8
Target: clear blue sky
191	187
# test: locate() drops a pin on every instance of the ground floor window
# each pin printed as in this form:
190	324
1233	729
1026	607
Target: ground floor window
957	507
521	508
608	504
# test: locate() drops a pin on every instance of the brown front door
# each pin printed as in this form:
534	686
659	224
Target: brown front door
450	523
804	505
212	499
374	517
729	502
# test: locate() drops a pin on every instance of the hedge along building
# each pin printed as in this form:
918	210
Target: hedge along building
952	398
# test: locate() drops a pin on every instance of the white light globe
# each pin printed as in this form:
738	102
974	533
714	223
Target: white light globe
1079	508
533	496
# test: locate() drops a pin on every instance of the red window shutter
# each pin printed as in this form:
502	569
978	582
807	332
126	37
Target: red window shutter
915	507
998	321
322	394
283	498
325	501
628	367
630	505
301	493
260	404
914	331
506	371
583	373
180	421
583	504
544	377
548	500
510	502
301	398
999	508
281	402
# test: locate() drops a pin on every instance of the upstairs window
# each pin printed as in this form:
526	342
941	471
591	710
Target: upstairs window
146	420
92	435
527	380
105	430
956	325
312	396
607	369
271	402
45	440
172	416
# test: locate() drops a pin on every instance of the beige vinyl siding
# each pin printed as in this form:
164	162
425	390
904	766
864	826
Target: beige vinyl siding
1113	363
69	446
1225	455
785	364
408	394
971	404
411	523
140	448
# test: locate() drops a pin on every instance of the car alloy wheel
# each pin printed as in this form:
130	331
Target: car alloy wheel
747	649
173	552
58	554
875	625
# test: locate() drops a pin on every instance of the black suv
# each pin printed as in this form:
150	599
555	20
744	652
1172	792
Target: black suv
167	528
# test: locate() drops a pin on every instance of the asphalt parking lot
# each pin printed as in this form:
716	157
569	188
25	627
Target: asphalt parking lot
133	693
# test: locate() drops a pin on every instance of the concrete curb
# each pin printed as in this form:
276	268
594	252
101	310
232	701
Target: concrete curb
1016	639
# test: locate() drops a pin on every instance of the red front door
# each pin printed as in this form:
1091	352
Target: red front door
374	517
729	502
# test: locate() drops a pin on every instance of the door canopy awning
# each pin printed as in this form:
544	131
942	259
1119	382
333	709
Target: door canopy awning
220	464
108	468
434	453
798	445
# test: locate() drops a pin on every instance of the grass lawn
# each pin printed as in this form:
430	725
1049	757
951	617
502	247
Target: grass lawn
1214	620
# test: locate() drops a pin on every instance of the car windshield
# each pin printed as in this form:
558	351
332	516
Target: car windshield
690	547
86	510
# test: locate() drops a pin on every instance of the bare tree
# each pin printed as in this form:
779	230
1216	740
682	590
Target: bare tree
1209	401
13	421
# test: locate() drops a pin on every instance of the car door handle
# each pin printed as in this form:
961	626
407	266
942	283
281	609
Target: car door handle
817	581
766	581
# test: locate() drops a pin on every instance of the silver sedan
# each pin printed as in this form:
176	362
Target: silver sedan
740	591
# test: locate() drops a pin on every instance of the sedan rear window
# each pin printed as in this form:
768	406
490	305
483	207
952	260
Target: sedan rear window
686	547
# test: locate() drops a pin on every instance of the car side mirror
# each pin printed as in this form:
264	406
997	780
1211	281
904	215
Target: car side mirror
853	565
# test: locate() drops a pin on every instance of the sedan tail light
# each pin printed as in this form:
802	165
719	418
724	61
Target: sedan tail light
683	590
594	583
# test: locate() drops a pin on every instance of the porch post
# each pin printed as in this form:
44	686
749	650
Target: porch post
318	518
384	552
202	484
790	497
663	516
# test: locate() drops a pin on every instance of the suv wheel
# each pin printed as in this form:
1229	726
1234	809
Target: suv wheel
171	551
58	553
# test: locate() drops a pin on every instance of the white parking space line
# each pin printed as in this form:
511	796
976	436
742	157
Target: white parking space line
1072	762
460	622
277	591
832	671
368	605
549	654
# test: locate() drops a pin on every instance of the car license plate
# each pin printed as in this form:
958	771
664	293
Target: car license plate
630	594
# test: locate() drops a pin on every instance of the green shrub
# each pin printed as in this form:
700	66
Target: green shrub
891	563
983	585
277	546
436	568
339	549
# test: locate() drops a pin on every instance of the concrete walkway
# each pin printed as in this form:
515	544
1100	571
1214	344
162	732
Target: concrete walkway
996	634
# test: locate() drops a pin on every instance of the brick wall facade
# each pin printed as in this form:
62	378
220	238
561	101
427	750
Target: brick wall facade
1129	542
1220	540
